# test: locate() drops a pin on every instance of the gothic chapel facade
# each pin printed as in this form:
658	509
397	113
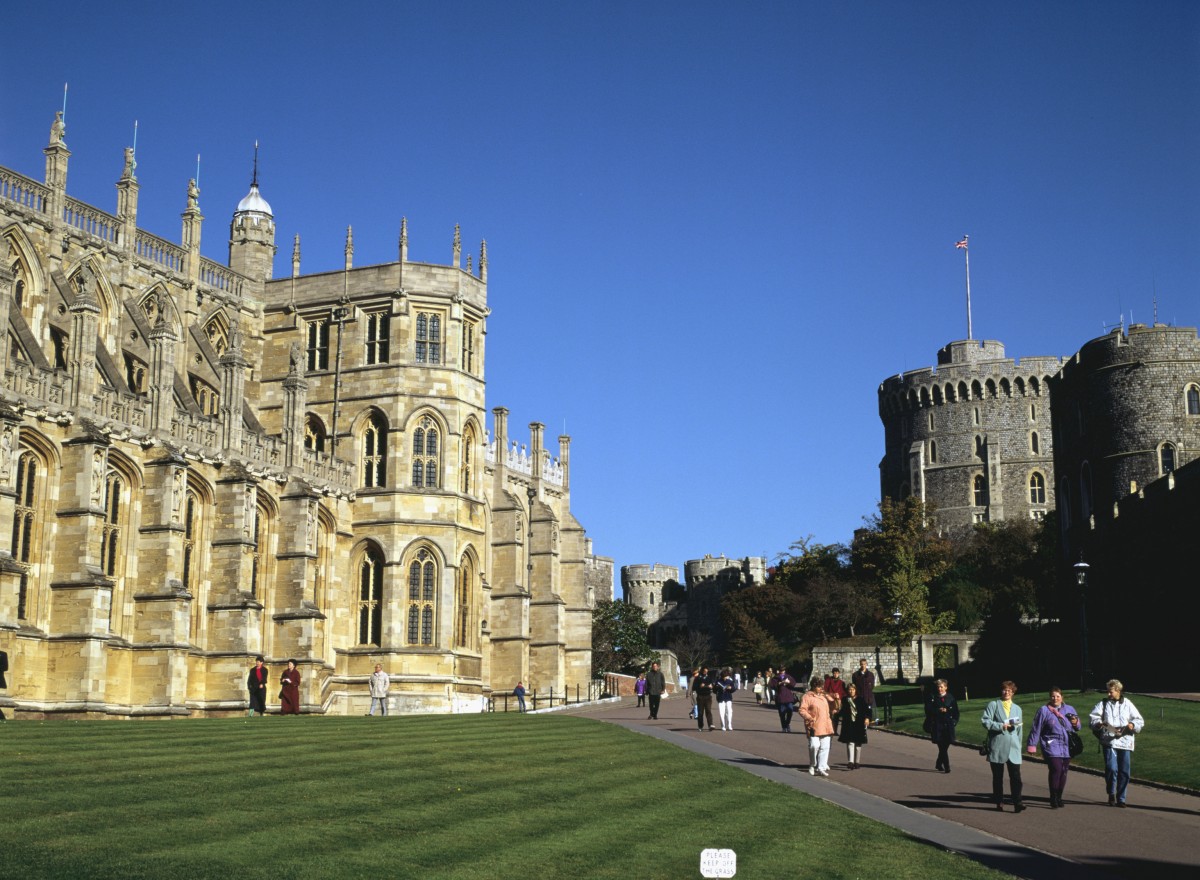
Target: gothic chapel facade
200	463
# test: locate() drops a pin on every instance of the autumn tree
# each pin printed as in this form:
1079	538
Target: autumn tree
902	552
692	649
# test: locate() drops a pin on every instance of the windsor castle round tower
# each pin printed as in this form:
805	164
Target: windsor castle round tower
971	437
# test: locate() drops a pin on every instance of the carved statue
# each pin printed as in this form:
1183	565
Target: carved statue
177	495
97	476
296	359
130	164
58	129
193	193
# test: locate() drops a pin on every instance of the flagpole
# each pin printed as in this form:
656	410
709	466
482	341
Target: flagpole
967	253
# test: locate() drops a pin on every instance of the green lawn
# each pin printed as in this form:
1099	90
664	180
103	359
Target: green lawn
414	797
1170	731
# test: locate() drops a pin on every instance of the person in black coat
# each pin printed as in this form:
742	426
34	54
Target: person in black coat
856	717
256	684
941	717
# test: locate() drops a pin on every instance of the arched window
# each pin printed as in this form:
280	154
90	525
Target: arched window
261	554
317	345
218	334
1193	400
933	452
110	535
1037	489
651	597
464	630
26	523
374	460
426	462
976	390
466	466
370	597
206	396
976	415
1035	445
314	433
422	580
980	491
1166	458
378	332
193	562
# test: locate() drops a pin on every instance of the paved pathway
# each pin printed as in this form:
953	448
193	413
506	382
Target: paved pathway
1157	836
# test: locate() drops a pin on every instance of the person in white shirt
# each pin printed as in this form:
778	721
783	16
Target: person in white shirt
1115	720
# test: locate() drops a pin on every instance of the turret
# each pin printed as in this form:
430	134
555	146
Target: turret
252	233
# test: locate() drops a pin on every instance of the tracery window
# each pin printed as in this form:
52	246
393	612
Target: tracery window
317	349
26	516
429	338
374	455
206	396
135	374
422	578
463	630
426	459
314	433
110	534
218	335
468	460
378	329
370	597
1037	489
258	558
1193	400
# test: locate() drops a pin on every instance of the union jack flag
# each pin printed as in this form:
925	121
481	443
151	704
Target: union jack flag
962	244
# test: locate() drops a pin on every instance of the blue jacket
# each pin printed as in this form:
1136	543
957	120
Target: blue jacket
1003	746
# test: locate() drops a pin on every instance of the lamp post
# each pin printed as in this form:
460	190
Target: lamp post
896	616
1081	577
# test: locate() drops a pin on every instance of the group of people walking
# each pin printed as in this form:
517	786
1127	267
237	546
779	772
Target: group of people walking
1114	721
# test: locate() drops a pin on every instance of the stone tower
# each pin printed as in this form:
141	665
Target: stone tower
972	435
648	586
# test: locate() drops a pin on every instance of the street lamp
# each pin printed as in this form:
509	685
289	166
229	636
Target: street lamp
1081	577
896	615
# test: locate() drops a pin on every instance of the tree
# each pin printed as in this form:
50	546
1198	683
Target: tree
691	648
902	552
619	637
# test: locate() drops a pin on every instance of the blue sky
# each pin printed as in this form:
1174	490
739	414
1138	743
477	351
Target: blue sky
713	227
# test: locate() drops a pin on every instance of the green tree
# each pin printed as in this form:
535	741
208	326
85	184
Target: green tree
902	552
619	638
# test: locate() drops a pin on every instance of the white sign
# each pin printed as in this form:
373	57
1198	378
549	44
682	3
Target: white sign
718	863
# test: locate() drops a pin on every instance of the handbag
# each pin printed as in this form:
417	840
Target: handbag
1074	744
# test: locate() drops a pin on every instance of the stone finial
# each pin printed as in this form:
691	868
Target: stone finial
483	260
457	246
58	129
349	246
470	268
296	256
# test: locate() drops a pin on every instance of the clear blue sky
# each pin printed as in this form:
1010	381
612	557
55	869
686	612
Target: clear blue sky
713	227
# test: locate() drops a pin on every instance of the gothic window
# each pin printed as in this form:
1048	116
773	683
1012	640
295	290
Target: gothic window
980	491
135	375
976	390
466	471
218	335
206	396
1037	489
977	415
651	597
320	579
1035	445
374	446
1166	458
933	452
314	433
378	332
425	456
317	349
422	577
110	535
1033	412
26	516
468	346
1193	400
931	421
370	598
429	338
193	564
259	556
464	632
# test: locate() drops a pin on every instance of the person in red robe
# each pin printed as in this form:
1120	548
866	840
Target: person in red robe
289	695
256	684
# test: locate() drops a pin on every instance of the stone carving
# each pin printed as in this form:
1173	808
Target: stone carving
97	477
178	482
7	441
58	129
130	164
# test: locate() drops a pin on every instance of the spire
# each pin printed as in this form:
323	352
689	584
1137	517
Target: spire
483	260
457	246
470	269
296	256
349	246
403	239
254	179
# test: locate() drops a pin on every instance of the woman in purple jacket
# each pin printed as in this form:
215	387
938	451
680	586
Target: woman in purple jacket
1051	728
